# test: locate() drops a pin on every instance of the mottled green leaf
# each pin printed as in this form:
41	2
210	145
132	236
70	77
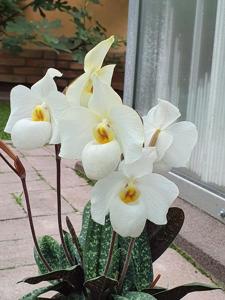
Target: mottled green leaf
78	252
140	273
139	296
141	257
92	250
105	240
71	248
51	251
85	221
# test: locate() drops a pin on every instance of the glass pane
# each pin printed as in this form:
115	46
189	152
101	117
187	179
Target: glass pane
181	58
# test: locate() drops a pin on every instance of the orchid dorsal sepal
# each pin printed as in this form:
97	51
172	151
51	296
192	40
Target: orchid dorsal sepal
81	89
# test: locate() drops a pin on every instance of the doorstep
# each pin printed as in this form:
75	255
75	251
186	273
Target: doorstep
202	237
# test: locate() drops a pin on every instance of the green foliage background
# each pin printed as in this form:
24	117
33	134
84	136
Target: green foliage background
4	114
17	31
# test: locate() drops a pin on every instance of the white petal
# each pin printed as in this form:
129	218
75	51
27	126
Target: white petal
75	129
162	115
141	166
94	58
158	193
47	84
102	193
27	134
185	136
128	220
57	103
164	141
22	102
129	131
104	98
76	90
106	73
100	159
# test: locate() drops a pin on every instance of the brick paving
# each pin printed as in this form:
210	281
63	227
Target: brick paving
16	247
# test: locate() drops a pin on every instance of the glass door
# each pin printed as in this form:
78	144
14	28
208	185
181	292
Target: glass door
176	51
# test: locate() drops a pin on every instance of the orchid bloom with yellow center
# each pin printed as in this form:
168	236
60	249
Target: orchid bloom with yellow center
174	142
31	123
81	89
100	133
132	195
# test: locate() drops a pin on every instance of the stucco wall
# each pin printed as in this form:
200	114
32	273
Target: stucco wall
112	14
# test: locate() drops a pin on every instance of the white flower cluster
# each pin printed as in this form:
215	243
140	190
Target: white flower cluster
116	147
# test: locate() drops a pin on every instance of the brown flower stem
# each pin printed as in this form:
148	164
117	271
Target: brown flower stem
20	171
126	264
26	195
155	281
8	163
110	255
59	206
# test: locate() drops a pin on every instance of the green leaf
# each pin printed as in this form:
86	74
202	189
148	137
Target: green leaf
139	296
142	260
100	286
118	297
51	251
74	240
85	221
154	291
105	240
71	248
161	236
71	297
129	281
92	250
74	276
181	291
140	273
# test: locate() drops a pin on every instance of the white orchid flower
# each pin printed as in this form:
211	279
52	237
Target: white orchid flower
31	123
174	142
132	195
80	91
102	132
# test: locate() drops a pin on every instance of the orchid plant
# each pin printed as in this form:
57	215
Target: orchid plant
127	158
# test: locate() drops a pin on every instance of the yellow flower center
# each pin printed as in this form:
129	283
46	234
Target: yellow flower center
103	132
89	87
40	114
129	193
154	138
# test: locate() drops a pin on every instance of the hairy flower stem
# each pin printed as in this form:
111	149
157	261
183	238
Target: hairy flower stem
59	206
126	265
26	195
110	255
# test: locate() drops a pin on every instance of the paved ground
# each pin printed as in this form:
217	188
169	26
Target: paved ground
16	249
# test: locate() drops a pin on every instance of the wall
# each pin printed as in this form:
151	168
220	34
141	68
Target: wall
112	14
